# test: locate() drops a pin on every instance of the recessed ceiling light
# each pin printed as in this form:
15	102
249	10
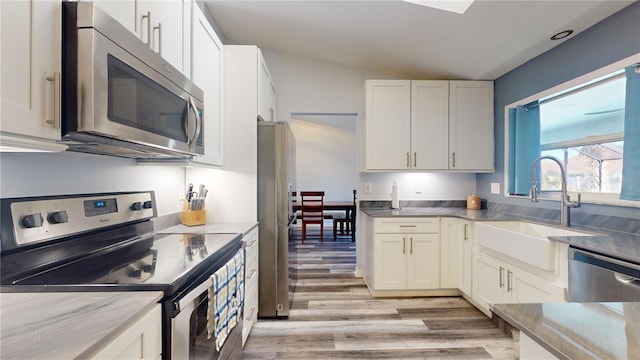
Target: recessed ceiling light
562	35
456	6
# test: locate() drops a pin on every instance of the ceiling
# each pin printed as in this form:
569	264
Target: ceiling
408	40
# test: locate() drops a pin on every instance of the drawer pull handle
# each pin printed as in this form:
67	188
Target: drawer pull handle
408	226
253	272
251	243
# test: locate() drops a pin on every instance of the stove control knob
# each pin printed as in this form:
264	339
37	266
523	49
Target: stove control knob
136	206
31	221
147	204
58	217
135	274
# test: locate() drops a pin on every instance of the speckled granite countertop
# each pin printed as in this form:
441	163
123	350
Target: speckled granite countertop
66	325
579	330
212	228
621	245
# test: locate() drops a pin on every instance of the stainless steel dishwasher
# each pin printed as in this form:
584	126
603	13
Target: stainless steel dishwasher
594	277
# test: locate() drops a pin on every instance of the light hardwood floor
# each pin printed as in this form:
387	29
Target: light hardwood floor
333	316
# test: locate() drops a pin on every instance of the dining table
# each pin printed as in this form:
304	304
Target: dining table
347	206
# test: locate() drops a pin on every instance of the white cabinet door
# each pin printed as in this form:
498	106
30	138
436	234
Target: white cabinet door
529	288
388	124
429	124
206	73
31	42
490	281
390	260
465	247
471	121
423	261
266	91
450	255
160	24
142	340
124	11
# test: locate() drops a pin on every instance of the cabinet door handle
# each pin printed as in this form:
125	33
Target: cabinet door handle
159	28
148	17
509	274
415	159
453	159
56	100
408	159
466	237
501	280
411	245
404	245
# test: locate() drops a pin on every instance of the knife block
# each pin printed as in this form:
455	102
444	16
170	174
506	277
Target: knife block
192	217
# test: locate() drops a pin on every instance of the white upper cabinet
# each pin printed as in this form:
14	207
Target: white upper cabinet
31	42
428	125
206	71
266	92
160	24
387	124
124	11
471	125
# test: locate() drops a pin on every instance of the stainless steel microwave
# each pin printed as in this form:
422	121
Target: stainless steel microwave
121	98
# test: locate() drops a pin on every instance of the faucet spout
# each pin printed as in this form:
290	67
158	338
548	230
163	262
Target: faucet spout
565	202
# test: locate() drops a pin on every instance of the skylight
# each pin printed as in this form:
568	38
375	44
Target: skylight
456	6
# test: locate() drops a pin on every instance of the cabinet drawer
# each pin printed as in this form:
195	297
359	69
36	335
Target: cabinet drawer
407	225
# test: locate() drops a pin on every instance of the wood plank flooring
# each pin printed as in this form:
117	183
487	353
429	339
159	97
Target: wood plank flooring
333	316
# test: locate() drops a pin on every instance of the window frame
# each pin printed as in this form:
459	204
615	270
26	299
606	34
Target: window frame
587	197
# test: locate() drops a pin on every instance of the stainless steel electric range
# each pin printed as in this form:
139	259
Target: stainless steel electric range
106	242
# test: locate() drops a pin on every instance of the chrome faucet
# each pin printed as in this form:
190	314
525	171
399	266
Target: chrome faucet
565	202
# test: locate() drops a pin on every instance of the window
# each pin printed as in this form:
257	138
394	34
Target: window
581	123
584	128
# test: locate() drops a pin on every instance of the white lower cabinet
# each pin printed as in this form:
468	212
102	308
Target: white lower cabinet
407	261
455	249
142	340
496	282
402	256
250	312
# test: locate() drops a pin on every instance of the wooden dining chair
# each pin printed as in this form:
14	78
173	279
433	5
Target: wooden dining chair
312	211
344	220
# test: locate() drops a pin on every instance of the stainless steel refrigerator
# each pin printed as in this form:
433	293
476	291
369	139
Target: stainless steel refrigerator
276	181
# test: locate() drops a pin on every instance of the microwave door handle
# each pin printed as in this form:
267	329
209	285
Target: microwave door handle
196	134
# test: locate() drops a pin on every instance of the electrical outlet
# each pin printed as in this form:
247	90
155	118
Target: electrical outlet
367	188
495	188
418	188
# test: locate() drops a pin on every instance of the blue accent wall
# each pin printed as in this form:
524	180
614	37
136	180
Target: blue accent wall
613	39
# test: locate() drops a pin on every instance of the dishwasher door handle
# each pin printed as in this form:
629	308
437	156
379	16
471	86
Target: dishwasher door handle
627	280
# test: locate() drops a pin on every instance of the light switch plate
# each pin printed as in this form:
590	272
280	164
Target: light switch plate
418	188
367	188
495	188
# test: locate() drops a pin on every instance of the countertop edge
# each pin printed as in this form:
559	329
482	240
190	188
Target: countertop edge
94	348
529	333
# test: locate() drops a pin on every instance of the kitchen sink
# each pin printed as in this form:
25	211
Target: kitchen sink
523	241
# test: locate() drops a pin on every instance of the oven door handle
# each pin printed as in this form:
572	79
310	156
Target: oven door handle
183	301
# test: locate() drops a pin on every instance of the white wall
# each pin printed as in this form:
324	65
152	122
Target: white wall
42	174
433	186
326	155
